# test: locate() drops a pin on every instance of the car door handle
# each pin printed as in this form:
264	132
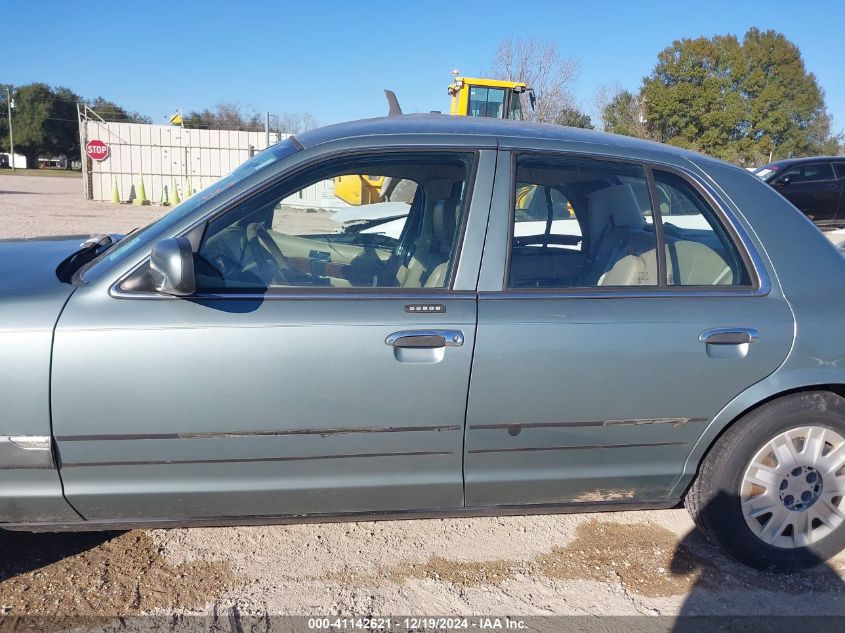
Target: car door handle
729	336
426	338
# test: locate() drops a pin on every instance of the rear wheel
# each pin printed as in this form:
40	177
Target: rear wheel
772	490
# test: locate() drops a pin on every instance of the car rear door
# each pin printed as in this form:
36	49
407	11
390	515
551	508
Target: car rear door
592	388
305	399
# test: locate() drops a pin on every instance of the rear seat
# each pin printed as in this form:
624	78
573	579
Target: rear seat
622	245
624	251
693	264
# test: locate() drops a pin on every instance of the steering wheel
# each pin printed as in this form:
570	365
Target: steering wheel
256	231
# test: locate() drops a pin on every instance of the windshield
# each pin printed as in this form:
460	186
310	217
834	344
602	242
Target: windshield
486	102
765	172
129	244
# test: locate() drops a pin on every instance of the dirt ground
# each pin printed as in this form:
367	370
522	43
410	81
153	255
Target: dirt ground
626	563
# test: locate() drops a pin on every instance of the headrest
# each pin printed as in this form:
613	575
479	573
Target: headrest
444	217
615	206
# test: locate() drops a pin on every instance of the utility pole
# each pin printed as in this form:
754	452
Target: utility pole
267	129
11	136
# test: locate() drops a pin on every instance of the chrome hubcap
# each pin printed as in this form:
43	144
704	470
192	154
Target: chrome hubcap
793	491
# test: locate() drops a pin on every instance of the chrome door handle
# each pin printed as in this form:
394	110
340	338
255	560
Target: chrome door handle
729	336
426	338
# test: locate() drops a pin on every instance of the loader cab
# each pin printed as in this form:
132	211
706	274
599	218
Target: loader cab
473	96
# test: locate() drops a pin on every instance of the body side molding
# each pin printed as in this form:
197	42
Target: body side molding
25	451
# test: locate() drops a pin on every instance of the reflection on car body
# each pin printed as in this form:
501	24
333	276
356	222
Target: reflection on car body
816	185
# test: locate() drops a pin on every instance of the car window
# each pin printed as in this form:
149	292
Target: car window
382	221
145	236
487	102
808	172
515	107
699	251
840	169
581	223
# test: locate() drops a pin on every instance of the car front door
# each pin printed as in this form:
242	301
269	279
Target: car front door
812	188
598	363
321	367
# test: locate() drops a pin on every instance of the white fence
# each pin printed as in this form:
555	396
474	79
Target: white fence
317	196
165	156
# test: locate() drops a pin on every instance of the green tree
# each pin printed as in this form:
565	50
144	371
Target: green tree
4	126
45	121
226	116
693	97
737	101
623	114
786	113
573	117
110	111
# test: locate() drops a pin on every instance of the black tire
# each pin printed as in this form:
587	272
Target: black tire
713	498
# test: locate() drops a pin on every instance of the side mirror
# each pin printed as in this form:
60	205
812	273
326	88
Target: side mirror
783	182
172	267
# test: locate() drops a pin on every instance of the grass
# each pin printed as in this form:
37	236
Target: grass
51	173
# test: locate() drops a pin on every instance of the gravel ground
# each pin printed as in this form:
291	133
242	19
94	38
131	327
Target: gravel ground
31	206
625	563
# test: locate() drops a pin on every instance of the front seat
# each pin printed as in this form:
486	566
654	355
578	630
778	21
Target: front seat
429	261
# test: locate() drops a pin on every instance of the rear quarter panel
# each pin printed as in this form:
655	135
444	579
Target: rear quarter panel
811	275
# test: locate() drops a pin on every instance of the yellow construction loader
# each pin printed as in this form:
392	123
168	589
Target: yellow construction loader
494	98
471	96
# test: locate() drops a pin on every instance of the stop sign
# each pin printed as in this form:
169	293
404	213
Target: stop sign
97	150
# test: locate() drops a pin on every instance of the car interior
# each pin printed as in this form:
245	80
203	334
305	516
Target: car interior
243	249
610	239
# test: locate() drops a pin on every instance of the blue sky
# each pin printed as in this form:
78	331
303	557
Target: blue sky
333	58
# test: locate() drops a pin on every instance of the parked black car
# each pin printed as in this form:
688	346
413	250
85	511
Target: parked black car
815	185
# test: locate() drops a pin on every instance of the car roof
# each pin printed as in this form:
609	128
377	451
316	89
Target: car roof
788	162
442	124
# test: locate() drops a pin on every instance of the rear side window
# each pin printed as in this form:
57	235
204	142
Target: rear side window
581	223
590	223
840	169
699	251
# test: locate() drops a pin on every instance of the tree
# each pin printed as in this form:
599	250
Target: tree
44	121
623	113
296	122
110	111
226	116
737	101
693	97
539	64
573	117
786	109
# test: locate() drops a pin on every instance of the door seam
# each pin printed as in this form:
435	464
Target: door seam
54	447
475	337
